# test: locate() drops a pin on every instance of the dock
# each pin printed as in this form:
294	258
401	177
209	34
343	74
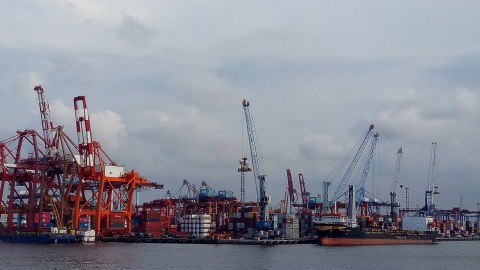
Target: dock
445	239
183	240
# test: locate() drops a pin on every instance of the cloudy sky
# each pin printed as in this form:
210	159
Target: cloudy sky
164	81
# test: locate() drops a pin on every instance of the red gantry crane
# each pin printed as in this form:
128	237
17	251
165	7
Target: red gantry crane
105	191
38	173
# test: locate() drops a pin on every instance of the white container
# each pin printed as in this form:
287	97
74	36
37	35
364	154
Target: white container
416	223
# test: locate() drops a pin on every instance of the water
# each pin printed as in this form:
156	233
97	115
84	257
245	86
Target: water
445	255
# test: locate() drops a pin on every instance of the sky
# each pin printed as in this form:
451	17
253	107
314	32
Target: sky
164	83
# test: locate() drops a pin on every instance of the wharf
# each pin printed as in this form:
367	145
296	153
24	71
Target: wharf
443	239
183	240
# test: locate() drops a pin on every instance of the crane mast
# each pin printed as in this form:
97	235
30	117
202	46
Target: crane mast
244	167
432	177
258	167
395	183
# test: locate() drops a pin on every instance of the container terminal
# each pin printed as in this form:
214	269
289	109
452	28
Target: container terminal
58	190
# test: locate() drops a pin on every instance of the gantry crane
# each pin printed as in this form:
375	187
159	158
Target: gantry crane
258	169
105	191
37	173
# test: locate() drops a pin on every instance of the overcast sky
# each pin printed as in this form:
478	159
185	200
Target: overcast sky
164	81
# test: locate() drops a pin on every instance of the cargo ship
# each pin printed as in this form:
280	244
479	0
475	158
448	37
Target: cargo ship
37	238
336	230
55	236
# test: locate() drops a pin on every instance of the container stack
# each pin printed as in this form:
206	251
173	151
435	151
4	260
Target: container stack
243	220
117	221
207	195
225	194
198	225
305	224
472	227
153	222
288	226
84	223
46	220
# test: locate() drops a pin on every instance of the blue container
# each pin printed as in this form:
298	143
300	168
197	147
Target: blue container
225	194
83	225
264	224
207	193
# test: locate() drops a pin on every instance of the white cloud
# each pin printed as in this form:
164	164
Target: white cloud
165	80
108	128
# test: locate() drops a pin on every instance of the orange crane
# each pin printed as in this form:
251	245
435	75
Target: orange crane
36	175
105	191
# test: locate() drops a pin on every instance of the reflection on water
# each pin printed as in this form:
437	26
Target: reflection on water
445	255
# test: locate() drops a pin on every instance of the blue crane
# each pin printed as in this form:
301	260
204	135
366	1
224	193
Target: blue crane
258	169
361	193
341	188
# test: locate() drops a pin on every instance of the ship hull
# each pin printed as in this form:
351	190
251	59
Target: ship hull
358	236
350	241
35	238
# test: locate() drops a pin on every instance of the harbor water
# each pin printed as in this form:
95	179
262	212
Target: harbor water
444	255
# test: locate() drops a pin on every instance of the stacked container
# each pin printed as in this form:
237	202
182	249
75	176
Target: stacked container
225	194
305	223
84	223
153	223
245	219
198	225
288	226
117	221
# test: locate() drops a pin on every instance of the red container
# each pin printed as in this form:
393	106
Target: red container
117	215
117	225
84	219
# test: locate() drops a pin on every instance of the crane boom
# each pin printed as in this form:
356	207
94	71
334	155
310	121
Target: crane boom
366	169
47	123
303	190
398	170
258	165
291	190
346	177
